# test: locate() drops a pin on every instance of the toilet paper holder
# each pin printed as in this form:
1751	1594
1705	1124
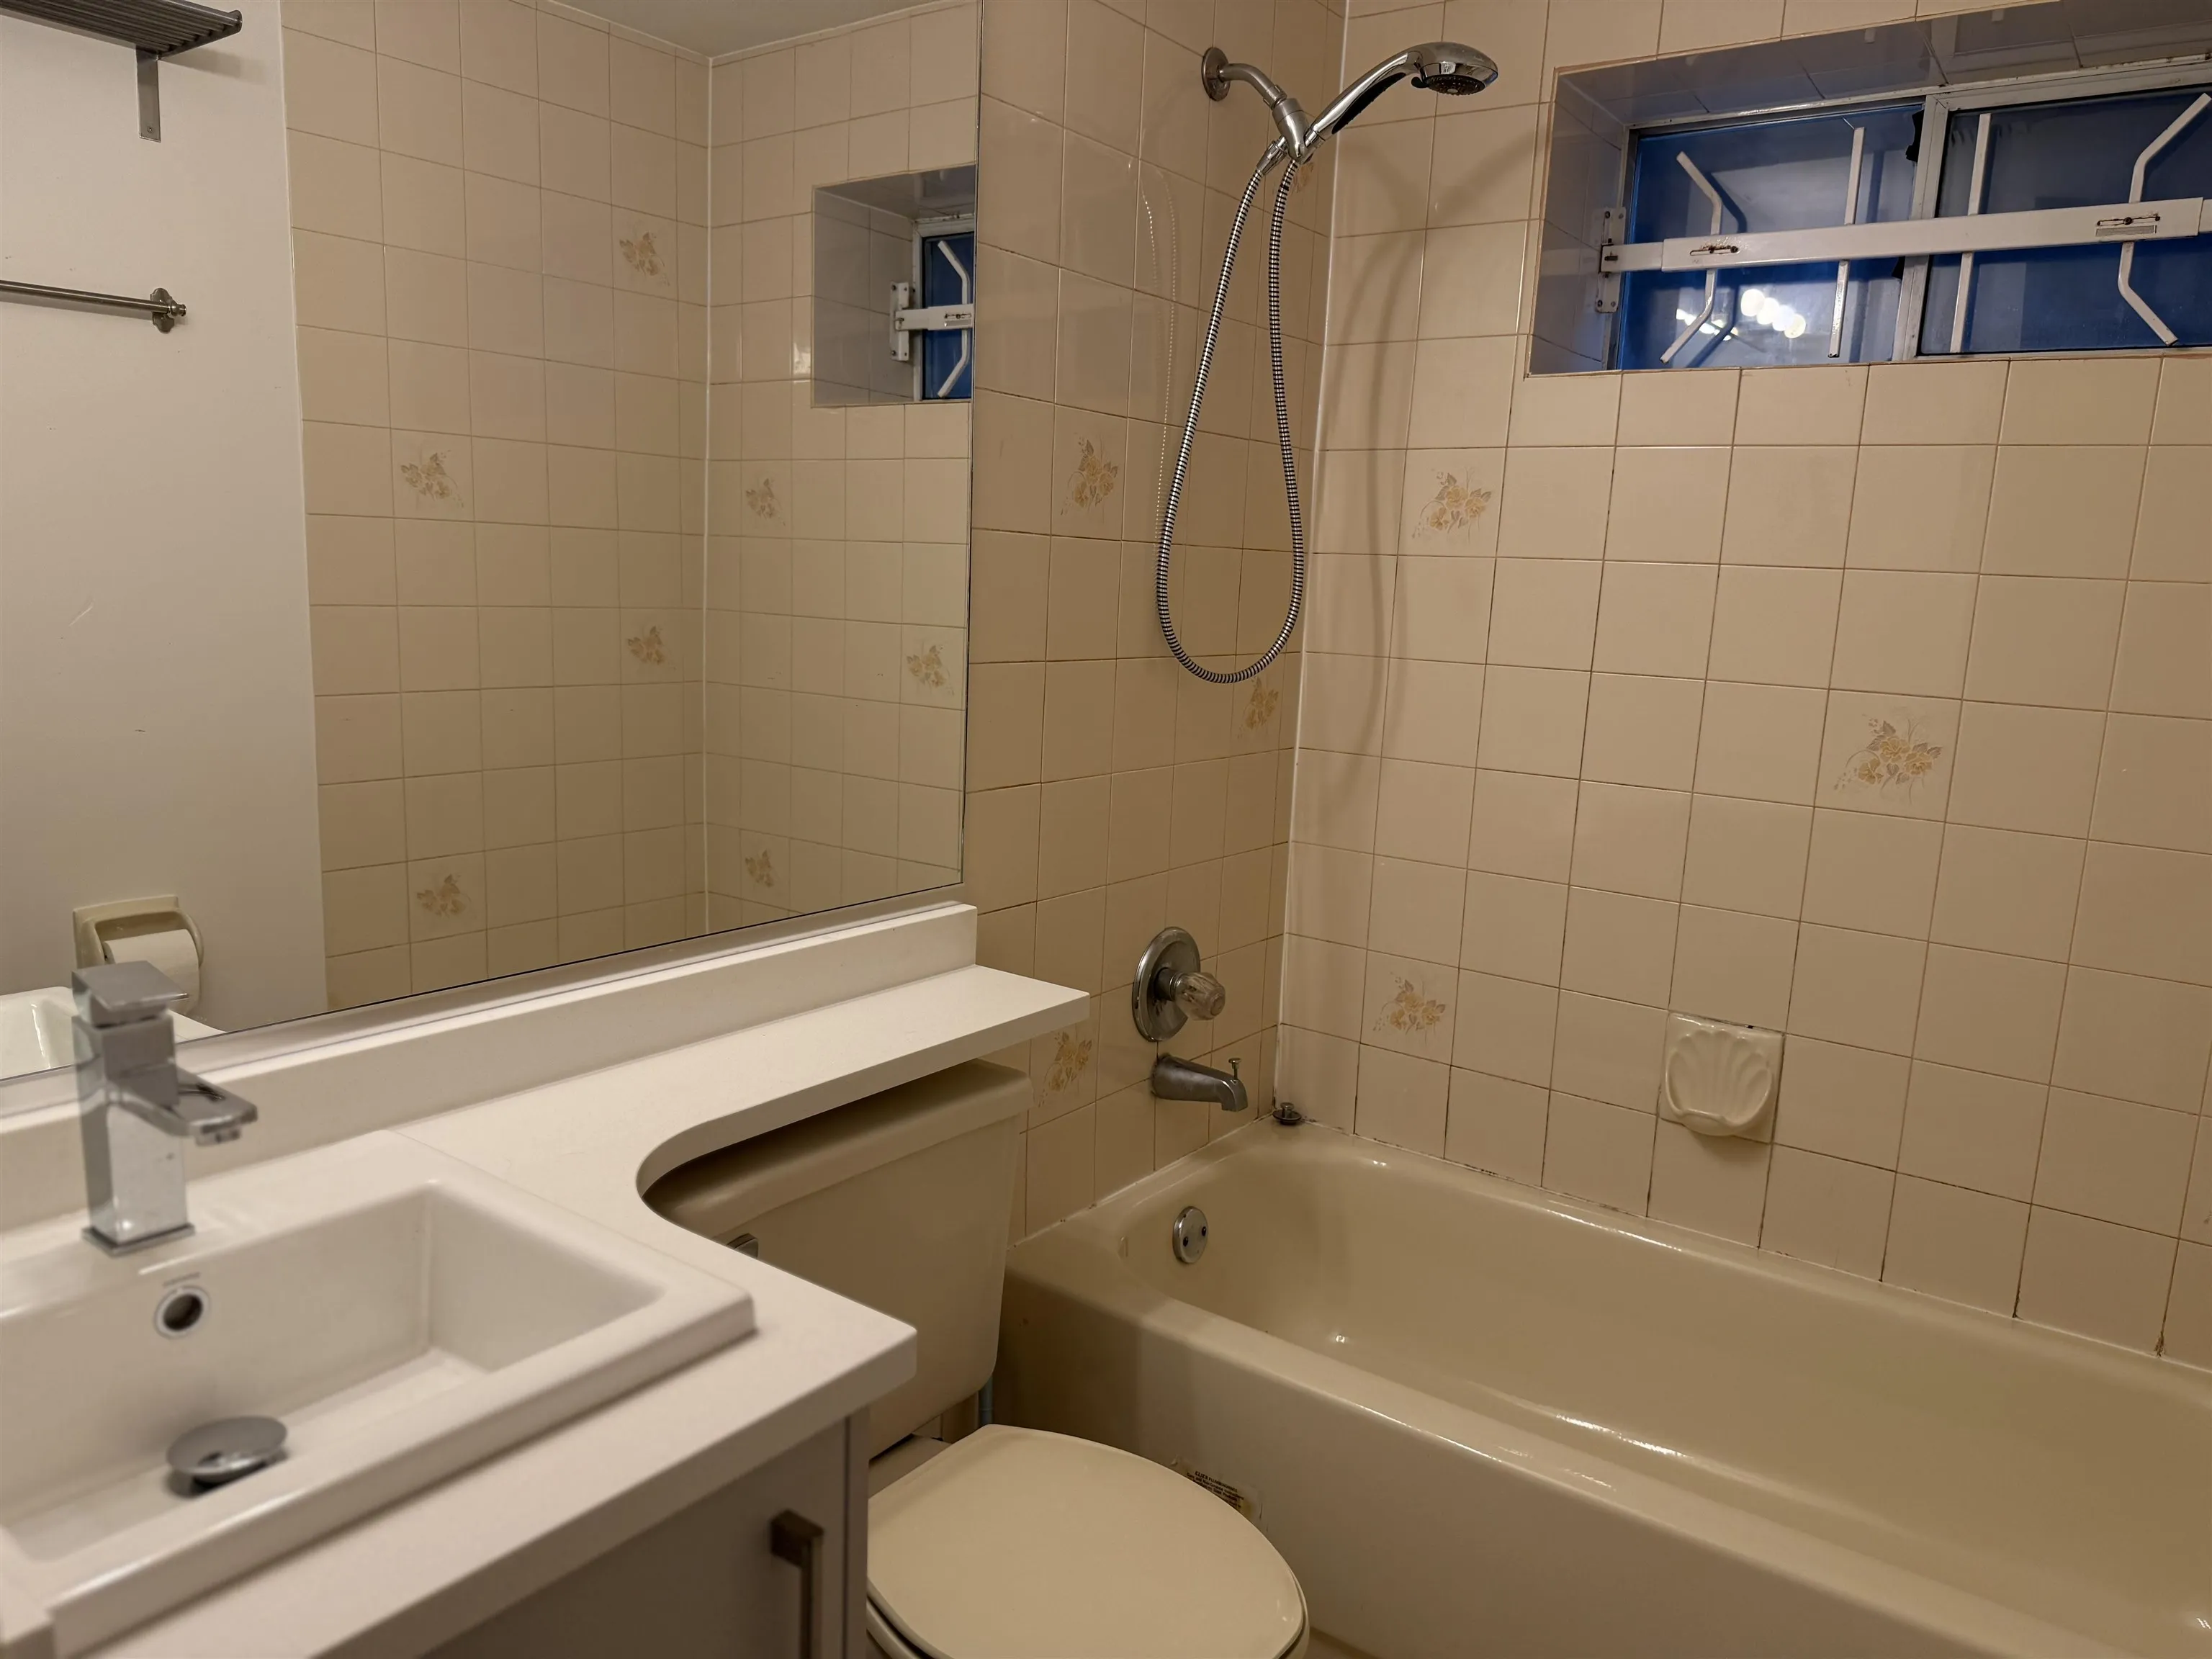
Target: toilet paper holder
106	932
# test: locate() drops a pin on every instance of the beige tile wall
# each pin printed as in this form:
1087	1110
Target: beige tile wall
1874	704
500	245
837	585
1109	793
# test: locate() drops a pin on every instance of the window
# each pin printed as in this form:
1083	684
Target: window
2075	152
2061	214
1794	174
946	262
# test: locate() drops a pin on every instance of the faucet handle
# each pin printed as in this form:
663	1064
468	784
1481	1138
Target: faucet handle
121	993
1200	994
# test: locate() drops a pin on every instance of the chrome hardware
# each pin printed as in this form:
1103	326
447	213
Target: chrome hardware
1190	1234
1170	988
216	1454
1186	1080
795	1538
181	1311
1288	1115
161	308
136	1106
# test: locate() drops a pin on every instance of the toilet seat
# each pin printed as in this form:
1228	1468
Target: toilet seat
1017	1544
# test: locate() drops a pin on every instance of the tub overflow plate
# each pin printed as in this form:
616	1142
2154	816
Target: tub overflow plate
1190	1234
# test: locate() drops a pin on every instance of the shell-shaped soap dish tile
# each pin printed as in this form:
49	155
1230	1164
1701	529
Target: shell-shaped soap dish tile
1719	1078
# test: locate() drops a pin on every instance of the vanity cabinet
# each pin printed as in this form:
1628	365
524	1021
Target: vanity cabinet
708	1583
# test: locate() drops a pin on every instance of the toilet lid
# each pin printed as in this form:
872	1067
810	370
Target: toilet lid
1013	1544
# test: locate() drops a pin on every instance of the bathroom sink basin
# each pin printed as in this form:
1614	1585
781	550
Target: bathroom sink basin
401	1314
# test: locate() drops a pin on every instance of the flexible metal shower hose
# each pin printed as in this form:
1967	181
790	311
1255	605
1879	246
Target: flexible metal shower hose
1282	424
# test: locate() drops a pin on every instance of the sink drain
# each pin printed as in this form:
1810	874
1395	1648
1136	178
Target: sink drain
216	1454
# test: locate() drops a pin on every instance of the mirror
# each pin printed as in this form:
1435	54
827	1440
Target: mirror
534	543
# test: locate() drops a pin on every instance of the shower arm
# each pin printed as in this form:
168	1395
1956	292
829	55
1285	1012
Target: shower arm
1215	72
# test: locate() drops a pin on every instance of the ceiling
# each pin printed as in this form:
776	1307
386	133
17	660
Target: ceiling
715	27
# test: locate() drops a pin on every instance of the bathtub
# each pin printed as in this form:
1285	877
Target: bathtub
1481	1419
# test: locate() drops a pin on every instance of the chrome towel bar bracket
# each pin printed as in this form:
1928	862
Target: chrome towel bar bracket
160	307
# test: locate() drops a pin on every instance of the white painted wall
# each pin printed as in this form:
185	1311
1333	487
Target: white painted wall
156	716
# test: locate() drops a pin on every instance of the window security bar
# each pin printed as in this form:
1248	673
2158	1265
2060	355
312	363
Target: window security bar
1973	232
1850	217
2117	221
1713	276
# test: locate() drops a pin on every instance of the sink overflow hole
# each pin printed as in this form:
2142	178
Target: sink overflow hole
180	1310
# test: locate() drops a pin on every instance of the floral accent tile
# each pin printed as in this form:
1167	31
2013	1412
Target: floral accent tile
761	501
1450	500
1409	1010
431	474
1091	498
641	253
1409	1007
1071	1055
445	896
763	870
444	899
657	646
1093	478
1261	703
1455	507
1063	1069
927	667
1882	754
645	253
428	478
934	665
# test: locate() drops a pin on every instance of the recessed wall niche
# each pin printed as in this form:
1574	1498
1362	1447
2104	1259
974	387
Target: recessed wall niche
869	234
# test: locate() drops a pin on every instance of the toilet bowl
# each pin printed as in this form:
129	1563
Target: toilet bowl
1009	1543
1017	1544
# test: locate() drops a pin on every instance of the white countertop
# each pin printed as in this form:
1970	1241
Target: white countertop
425	1569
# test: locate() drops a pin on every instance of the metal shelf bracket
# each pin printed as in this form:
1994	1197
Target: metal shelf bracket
155	29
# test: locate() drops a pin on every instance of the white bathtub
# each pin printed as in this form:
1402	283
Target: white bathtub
1479	1419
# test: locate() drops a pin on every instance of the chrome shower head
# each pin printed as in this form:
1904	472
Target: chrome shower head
1455	71
1442	66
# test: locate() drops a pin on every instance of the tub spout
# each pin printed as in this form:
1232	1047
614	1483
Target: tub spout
1186	1080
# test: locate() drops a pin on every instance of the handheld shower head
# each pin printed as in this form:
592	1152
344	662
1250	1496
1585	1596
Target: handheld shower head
1455	71
1442	66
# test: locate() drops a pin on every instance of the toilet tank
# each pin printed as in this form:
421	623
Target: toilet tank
898	1201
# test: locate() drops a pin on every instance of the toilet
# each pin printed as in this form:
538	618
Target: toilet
1005	1543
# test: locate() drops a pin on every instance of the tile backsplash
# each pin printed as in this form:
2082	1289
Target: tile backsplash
1872	705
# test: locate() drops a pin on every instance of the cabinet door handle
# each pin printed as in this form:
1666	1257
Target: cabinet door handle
795	1538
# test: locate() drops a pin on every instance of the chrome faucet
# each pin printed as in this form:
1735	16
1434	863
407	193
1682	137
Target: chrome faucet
1186	1080
1170	989
136	1106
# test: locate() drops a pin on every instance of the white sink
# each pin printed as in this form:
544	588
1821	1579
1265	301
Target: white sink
35	1035
402	1313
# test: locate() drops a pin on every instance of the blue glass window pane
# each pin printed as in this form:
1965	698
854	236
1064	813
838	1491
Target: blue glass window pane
942	285
2068	299
1791	173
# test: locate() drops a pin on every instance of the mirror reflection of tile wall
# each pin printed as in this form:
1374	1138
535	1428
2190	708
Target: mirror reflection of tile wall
617	639
837	576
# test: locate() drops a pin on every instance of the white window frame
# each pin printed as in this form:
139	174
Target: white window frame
1924	235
